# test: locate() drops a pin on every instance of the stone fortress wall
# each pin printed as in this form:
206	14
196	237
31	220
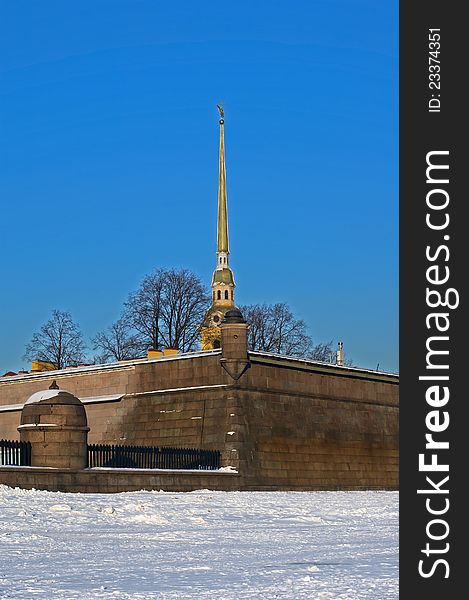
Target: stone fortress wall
284	424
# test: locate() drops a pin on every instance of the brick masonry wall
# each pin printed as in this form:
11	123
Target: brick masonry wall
91	383
9	422
115	480
303	430
352	386
301	443
282	427
118	379
198	418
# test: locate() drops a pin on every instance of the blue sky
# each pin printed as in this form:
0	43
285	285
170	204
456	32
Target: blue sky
109	158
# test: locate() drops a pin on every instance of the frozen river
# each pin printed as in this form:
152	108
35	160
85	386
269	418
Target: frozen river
217	545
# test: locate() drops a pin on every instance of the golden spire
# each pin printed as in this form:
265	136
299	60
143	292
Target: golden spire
223	283
222	236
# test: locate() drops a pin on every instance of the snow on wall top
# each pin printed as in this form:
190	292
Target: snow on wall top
44	395
125	364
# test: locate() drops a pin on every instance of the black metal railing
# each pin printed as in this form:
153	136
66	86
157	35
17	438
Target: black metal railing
147	457
15	453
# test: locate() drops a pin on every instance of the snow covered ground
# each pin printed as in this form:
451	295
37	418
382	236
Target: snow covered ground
217	545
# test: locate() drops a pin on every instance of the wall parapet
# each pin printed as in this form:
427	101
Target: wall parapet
102	480
313	366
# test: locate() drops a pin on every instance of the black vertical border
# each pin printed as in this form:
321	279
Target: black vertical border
421	132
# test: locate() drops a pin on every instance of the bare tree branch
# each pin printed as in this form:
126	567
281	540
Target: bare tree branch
323	352
142	311
59	341
167	309
274	328
117	343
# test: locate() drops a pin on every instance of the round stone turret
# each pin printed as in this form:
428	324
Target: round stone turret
234	316
55	423
234	344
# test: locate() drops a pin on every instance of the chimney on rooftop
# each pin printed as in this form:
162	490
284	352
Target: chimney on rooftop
339	361
37	366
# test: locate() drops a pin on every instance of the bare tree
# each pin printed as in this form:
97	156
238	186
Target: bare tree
167	309
183	308
323	352
59	341
142	311
273	328
117	343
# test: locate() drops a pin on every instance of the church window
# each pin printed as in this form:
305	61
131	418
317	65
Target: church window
216	344
219	295
232	295
226	294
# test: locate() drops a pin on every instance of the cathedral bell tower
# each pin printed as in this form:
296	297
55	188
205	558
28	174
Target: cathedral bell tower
223	283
